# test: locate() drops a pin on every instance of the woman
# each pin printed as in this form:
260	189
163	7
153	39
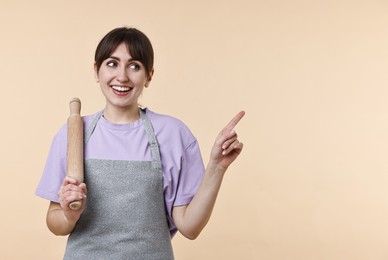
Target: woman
144	175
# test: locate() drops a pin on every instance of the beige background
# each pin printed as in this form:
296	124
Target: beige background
311	75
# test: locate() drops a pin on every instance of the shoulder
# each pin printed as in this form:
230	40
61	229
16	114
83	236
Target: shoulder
62	132
170	127
166	121
88	119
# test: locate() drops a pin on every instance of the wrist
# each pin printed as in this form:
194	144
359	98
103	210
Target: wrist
215	168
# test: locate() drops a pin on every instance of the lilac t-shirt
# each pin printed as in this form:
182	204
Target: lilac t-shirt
182	163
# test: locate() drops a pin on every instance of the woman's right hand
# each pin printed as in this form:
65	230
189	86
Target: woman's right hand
71	191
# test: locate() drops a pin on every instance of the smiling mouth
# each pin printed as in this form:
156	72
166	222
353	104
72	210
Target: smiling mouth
121	89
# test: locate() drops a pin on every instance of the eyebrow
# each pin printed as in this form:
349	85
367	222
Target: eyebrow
118	59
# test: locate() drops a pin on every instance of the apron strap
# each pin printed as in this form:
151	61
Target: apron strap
156	162
92	126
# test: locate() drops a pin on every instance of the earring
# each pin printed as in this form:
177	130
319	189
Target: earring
97	80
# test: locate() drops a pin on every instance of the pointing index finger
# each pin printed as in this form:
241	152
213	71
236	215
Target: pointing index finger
235	120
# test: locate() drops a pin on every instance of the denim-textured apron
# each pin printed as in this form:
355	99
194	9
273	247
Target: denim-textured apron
125	216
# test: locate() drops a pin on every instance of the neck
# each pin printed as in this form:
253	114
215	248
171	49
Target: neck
121	115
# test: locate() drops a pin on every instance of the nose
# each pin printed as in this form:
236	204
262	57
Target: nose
122	75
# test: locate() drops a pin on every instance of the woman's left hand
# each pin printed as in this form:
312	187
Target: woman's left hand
227	147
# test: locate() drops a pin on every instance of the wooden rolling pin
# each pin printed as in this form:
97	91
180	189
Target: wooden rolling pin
75	146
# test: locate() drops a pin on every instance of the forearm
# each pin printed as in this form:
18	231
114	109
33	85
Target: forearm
192	218
57	222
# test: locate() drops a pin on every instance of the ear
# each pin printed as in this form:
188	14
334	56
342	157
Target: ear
96	73
149	78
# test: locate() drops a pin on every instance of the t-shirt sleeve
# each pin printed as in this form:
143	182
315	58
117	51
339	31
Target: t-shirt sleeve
192	171
55	168
185	185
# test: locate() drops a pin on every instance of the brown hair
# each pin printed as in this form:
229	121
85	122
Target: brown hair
138	45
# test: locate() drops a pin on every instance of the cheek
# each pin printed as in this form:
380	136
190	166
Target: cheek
105	82
105	78
139	79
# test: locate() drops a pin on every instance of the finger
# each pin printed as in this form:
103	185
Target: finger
235	120
71	196
66	186
236	146
70	188
228	141
84	189
69	180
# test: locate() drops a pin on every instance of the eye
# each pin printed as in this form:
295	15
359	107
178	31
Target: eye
134	66
111	63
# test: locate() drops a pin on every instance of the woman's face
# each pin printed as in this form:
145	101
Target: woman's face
122	79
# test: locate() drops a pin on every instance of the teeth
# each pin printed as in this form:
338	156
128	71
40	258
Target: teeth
119	88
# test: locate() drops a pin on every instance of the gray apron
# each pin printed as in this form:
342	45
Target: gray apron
124	216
